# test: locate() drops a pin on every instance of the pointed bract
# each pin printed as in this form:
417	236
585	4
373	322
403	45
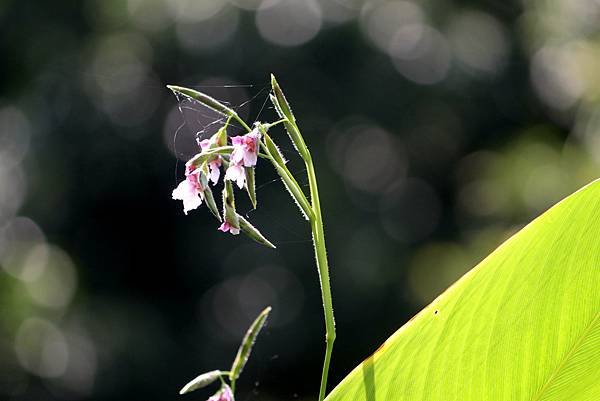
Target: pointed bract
253	232
211	203
203	98
201	381
251	185
282	102
285	112
246	346
229	213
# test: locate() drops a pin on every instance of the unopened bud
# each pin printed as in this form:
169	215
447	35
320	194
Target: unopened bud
221	137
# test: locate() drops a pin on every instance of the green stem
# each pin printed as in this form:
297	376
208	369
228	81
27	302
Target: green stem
323	269
271	125
318	234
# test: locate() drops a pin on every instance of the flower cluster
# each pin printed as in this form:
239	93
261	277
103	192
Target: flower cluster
244	154
239	159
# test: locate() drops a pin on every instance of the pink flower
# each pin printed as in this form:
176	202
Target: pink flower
236	173
225	227
214	164
215	170
190	190
245	148
224	394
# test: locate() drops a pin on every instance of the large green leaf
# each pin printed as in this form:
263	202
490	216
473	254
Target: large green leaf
524	324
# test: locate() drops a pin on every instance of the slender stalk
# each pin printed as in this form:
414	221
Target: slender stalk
318	234
323	269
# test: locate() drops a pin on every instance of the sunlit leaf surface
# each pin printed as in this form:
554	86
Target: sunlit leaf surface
524	324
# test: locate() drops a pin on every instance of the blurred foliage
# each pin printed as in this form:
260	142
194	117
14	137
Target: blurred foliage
438	129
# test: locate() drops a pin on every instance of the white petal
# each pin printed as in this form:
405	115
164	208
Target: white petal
186	192
250	159
236	173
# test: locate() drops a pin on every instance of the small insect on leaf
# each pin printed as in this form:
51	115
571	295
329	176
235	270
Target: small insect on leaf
246	346
201	381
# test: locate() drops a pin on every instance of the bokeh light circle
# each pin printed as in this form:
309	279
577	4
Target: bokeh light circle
289	22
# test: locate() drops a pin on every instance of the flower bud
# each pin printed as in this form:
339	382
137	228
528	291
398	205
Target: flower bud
221	137
201	381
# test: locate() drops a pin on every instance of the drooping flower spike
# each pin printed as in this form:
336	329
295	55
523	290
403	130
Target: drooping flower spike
240	159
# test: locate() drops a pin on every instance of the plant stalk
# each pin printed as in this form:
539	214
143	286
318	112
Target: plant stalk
318	235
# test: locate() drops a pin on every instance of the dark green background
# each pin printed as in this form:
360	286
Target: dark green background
418	182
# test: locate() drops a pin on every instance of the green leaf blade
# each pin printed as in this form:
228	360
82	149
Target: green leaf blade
522	325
